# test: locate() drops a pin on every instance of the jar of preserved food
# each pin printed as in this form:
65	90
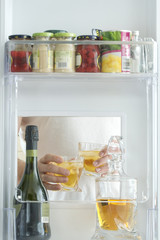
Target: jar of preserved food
87	56
65	53
116	57
43	53
20	54
135	60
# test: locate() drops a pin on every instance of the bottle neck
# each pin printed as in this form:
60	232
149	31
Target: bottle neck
31	157
116	168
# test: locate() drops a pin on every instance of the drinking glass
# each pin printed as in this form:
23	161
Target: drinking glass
90	153
75	166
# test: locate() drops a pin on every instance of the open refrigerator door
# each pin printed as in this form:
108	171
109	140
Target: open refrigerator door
100	100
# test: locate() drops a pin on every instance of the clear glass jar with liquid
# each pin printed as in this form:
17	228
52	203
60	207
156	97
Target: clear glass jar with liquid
116	196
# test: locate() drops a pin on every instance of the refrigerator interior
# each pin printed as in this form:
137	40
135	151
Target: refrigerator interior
131	98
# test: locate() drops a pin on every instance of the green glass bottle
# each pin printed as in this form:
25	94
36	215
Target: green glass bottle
32	208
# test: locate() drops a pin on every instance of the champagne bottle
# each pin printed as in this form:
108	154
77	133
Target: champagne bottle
32	208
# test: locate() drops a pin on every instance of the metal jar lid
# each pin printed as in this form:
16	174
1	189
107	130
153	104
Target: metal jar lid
65	35
56	31
19	37
43	34
88	37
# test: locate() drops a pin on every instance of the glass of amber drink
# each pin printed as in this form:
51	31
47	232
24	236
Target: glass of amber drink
75	166
90	153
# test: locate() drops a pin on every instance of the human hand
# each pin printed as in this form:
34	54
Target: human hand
101	163
47	171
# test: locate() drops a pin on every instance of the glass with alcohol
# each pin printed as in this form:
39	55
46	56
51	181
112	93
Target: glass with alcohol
90	153
75	166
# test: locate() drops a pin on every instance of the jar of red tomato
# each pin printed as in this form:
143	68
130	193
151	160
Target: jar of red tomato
20	54
87	55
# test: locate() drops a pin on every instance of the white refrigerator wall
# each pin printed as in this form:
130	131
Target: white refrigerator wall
81	16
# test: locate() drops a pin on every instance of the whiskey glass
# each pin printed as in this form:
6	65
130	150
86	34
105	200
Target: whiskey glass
90	153
75	166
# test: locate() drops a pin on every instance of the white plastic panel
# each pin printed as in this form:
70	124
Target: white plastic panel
125	97
78	221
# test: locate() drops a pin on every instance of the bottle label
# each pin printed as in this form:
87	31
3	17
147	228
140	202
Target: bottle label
31	153
45	213
27	207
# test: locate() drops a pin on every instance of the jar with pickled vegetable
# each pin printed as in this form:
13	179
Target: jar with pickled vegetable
87	55
65	53
43	53
20	54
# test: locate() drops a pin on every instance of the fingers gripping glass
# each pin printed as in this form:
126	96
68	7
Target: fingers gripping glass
75	166
90	153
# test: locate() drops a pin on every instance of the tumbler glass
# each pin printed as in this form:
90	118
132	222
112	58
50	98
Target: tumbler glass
75	166
90	153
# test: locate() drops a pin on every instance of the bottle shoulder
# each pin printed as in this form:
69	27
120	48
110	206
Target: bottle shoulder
32	189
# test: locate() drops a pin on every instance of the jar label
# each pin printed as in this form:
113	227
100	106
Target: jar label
63	59
78	60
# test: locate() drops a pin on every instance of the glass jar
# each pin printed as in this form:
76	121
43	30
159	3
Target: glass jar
65	53
135	60
43	53
88	56
20	54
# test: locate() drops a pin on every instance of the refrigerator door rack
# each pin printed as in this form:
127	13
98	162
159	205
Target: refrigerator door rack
81	56
132	96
